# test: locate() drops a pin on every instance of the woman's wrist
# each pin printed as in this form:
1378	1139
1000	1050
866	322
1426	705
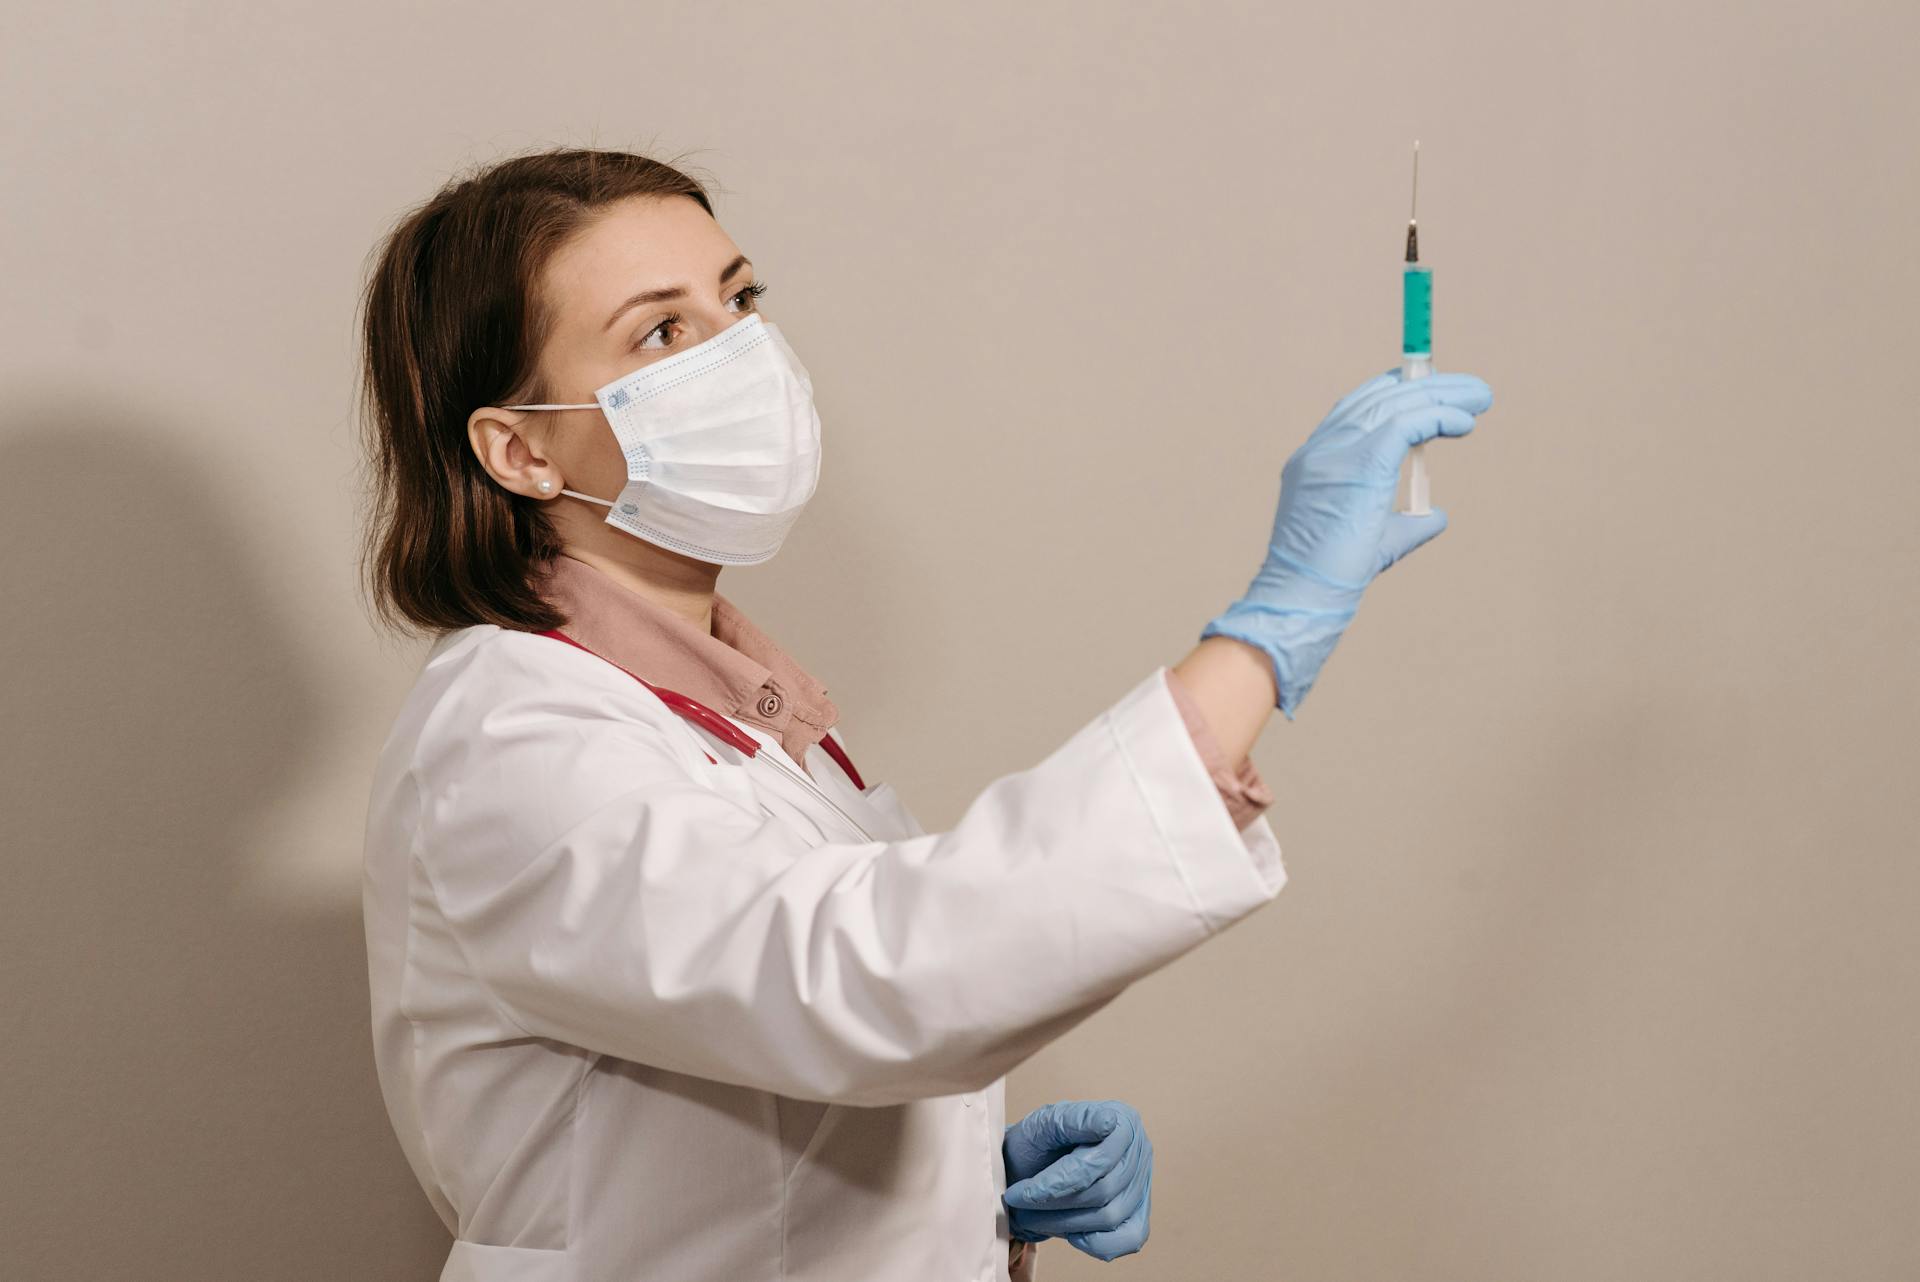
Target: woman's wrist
1232	683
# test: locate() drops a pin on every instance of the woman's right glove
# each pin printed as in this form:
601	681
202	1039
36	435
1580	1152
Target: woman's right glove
1336	528
1082	1170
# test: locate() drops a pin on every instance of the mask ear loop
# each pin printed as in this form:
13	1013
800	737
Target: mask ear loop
590	405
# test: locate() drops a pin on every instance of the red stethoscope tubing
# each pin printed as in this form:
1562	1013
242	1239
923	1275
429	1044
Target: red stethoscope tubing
707	719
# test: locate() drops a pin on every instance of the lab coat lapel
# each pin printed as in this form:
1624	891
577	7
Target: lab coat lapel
878	810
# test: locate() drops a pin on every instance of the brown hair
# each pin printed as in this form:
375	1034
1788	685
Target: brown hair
453	320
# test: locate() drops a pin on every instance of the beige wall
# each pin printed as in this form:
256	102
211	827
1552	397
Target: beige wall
1598	957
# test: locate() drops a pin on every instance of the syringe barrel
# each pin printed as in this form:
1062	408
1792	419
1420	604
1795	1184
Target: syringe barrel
1416	311
1416	361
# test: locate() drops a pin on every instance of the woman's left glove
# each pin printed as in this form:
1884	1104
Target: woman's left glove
1081	1170
1335	529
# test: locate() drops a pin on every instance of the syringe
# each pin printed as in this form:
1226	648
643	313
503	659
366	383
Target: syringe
1416	336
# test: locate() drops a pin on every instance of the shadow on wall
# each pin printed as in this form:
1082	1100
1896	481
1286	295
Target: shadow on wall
190	1084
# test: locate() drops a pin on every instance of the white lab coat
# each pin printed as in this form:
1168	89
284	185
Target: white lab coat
639	1017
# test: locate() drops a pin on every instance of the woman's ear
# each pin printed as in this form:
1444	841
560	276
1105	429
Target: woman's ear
506	452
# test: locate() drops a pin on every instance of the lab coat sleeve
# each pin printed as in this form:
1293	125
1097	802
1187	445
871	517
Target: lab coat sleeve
609	898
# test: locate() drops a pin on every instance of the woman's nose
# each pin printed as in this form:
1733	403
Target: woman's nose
716	321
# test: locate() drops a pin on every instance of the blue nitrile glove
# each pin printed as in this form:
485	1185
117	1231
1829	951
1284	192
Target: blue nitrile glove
1081	1170
1336	528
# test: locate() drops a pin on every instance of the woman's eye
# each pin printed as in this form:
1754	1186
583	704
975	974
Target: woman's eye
667	323
751	294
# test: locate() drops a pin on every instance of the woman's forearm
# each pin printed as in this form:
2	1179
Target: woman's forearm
1233	685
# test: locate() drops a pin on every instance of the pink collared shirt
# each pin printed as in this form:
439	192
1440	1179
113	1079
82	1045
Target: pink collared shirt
739	671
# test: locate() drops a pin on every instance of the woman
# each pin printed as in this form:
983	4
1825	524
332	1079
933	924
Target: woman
662	987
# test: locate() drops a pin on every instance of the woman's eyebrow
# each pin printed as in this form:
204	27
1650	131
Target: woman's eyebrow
662	295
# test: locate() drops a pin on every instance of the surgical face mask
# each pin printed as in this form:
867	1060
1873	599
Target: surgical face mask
722	446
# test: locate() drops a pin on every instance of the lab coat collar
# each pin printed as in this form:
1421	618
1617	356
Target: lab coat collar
738	670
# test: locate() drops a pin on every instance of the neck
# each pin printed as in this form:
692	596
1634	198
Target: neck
680	583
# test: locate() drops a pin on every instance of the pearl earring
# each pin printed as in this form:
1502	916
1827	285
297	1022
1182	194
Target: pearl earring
546	486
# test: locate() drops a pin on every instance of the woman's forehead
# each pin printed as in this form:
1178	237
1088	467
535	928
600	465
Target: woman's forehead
635	245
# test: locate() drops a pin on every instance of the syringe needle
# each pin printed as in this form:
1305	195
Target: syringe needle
1413	209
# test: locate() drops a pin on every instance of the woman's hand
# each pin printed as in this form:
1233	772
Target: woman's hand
1081	1170
1336	528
